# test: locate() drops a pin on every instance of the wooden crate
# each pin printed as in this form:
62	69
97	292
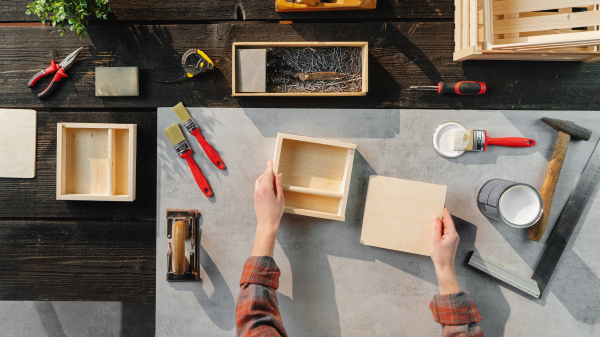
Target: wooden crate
256	45
96	161
316	175
550	30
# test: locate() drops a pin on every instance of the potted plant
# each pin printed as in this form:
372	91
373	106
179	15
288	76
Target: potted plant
69	12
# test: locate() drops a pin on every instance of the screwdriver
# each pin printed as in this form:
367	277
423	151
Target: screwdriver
459	88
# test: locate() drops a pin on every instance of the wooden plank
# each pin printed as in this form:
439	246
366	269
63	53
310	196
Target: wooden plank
17	143
556	21
228	10
398	214
520	6
36	198
74	260
543	41
400	54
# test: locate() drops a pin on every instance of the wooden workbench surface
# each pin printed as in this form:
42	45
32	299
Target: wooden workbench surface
51	250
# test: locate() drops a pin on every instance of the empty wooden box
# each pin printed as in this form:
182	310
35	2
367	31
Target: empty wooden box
551	30
316	175
96	161
266	45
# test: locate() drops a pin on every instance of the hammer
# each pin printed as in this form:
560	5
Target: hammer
566	131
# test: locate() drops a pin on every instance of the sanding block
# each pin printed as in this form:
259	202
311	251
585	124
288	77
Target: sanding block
117	81
183	245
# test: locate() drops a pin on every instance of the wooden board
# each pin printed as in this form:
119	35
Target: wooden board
17	143
398	214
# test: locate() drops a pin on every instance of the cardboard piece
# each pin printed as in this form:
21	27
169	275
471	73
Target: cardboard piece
117	81
398	214
17	143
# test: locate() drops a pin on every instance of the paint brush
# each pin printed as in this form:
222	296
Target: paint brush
184	150
477	140
193	128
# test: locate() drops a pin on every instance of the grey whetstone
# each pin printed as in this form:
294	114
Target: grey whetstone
251	70
117	81
330	284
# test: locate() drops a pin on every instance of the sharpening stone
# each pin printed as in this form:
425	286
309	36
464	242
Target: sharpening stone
117	81
251	70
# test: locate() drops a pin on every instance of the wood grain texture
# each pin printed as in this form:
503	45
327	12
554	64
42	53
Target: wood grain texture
398	214
35	198
77	260
400	55
216	10
17	143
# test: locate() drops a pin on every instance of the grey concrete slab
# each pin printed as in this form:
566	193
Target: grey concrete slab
75	319
330	284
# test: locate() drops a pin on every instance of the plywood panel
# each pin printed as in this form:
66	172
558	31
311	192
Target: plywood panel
17	143
398	214
86	170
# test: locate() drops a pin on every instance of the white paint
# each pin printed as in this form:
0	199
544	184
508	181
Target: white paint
520	205
443	139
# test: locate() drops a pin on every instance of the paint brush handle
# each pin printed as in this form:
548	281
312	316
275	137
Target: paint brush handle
511	141
210	152
198	176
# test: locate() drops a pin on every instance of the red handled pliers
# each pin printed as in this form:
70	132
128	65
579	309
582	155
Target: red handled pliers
60	73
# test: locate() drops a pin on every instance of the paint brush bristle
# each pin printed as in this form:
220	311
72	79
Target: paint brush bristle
174	134
463	140
181	112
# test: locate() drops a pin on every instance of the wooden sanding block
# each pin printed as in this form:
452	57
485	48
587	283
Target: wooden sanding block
399	212
117	81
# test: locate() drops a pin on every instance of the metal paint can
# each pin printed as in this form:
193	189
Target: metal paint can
516	204
443	139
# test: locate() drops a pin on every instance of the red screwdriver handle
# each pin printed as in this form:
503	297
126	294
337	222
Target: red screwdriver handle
462	88
52	68
210	152
511	141
198	176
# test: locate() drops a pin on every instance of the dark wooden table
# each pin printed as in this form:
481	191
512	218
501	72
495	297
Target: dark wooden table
69	250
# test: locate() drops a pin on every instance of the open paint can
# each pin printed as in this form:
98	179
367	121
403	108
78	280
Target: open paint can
516	204
443	139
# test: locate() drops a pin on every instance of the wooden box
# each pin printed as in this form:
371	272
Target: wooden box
96	161
552	30
316	175
265	45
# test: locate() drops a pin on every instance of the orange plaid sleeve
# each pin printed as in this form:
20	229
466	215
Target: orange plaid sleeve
457	314
256	310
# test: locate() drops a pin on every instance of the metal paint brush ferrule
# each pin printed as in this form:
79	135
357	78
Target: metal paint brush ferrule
478	140
190	125
182	147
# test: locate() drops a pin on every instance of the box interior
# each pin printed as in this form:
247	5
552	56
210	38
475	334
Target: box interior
318	169
95	163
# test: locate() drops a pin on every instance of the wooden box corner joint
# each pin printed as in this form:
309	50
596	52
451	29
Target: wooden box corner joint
96	161
316	175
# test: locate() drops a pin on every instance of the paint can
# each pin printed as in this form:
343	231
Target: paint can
443	139
516	204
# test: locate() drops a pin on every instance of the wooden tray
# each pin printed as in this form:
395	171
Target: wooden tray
96	161
316	175
256	45
552	30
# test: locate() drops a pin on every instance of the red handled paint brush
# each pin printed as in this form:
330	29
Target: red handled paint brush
184	150
193	128
477	140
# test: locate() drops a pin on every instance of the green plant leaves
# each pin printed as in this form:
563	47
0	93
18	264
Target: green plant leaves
73	12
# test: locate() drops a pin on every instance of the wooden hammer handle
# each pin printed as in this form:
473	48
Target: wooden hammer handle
552	174
179	236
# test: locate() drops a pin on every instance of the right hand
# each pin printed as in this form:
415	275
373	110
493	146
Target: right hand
269	206
443	246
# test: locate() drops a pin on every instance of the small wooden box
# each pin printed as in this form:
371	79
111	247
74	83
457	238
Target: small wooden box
266	45
96	161
316	175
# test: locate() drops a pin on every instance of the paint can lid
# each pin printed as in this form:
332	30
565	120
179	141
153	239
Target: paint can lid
443	139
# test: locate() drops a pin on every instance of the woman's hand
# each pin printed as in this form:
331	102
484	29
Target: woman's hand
444	242
268	205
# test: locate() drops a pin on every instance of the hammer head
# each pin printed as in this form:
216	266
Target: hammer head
569	127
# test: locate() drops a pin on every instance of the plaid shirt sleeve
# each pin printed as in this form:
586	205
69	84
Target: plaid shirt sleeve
256	311
457	314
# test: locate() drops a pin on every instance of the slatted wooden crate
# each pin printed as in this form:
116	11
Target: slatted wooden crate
544	30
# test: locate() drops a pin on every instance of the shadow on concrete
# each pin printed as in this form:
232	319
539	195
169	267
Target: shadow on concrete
49	318
138	319
219	306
